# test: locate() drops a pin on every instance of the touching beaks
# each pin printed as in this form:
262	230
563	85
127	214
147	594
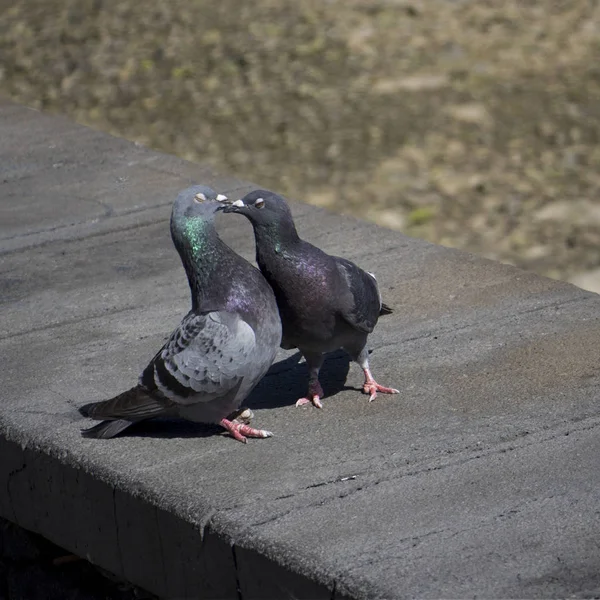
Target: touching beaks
221	198
238	203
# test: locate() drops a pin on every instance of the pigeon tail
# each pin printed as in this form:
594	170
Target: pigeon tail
385	309
134	404
86	409
106	429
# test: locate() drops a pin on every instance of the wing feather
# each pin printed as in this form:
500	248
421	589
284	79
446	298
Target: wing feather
364	306
206	357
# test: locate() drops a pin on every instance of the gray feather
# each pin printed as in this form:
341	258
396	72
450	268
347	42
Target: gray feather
106	429
209	354
134	404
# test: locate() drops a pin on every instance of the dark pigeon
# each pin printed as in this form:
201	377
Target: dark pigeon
325	302
223	346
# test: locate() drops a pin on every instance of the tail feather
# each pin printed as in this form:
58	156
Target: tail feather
385	309
118	413
106	429
133	405
85	410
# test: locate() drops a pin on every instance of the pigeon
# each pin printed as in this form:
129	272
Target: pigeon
222	347
325	302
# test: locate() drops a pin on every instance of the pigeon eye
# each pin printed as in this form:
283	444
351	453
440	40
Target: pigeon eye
259	203
199	197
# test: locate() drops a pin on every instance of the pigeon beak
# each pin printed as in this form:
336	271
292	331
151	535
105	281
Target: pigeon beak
224	201
234	207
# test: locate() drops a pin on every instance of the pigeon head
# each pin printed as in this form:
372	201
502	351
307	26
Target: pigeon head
262	208
197	201
192	219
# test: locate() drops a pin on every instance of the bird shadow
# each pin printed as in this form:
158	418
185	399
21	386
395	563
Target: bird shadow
287	380
284	383
165	428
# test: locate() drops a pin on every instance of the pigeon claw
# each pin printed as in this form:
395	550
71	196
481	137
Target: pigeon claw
372	387
241	431
315	400
315	393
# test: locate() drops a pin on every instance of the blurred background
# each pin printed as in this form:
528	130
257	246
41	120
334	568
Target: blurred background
473	124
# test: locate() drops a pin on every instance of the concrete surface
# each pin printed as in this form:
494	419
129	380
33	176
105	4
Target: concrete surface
481	479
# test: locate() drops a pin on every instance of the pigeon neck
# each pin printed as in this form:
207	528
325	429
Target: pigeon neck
202	253
278	235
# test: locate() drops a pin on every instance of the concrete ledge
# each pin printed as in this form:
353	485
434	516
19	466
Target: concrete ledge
480	479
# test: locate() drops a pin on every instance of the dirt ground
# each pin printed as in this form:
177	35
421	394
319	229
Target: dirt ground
473	124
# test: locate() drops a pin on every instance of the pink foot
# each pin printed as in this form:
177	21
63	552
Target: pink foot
315	393
371	387
239	430
315	400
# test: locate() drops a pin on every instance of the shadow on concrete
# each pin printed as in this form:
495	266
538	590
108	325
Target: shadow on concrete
171	429
287	380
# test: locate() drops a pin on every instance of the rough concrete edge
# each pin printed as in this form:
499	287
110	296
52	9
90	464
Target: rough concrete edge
45	488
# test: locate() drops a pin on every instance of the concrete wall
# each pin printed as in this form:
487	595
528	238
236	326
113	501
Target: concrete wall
32	568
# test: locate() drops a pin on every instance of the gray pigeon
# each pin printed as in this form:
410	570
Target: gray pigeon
223	346
325	302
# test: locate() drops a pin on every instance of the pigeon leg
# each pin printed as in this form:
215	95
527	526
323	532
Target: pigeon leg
241	415
240	430
370	386
314	361
315	393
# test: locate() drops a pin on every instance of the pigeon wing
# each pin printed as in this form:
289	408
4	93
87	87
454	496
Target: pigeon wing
362	304
206	357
